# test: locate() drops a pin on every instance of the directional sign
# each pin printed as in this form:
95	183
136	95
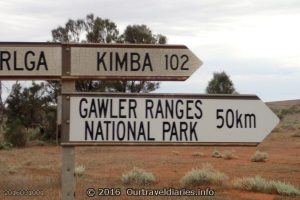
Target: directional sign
30	60
166	119
139	62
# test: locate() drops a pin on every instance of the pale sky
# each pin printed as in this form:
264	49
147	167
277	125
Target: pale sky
256	42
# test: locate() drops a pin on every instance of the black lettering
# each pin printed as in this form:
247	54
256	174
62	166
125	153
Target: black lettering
32	63
148	132
149	107
197	105
141	132
238	119
229	124
122	63
100	60
166	129
159	109
16	64
131	130
250	118
147	62
135	61
107	129
121	107
111	109
169	109
111	61
121	138
173	132
179	112
99	131
4	58
183	131
193	131
42	61
132	107
89	130
93	109
189	109
102	107
83	111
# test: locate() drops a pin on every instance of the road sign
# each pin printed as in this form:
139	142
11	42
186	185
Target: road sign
165	119
138	62
30	60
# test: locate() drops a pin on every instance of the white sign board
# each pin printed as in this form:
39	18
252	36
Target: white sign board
169	119
32	60
143	62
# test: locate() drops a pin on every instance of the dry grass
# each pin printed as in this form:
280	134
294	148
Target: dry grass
259	184
79	170
205	175
259	156
228	155
138	176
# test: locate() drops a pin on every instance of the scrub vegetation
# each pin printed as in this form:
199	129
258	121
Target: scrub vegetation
216	154
203	176
79	170
259	156
138	176
259	184
228	155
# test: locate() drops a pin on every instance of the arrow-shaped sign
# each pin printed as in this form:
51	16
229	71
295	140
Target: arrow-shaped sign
21	60
166	119
125	61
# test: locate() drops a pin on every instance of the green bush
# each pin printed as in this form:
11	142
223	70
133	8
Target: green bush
138	176
5	146
259	156
205	175
216	154
259	184
34	134
15	134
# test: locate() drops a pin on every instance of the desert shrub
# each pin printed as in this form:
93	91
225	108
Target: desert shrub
216	154
259	184
138	176
205	175
255	184
198	154
285	188
15	134
12	170
79	170
227	155
5	145
259	156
